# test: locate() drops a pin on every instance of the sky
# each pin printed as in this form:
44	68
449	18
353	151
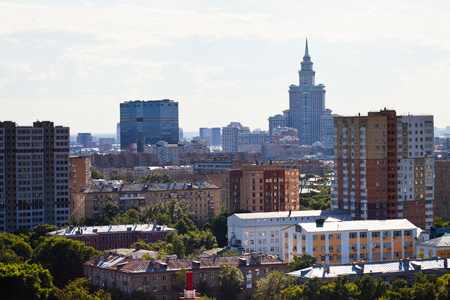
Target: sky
74	62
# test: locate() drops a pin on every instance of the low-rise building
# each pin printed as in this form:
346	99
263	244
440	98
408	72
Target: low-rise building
334	241
262	232
157	276
389	271
204	197
114	236
435	247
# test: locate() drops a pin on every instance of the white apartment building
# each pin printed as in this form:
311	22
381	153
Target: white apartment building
262	232
333	241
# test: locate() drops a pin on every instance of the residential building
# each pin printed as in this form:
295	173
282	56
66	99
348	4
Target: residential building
157	276
334	241
442	189
384	167
114	236
388	271
262	188
306	103
263	232
148	122
80	175
437	247
204	197
34	175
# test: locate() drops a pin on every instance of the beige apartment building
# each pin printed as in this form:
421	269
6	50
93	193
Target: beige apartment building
204	197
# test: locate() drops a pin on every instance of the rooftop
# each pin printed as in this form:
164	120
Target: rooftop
113	261
143	187
95	230
370	225
331	271
440	242
293	214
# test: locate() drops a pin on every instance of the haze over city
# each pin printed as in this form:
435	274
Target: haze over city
74	62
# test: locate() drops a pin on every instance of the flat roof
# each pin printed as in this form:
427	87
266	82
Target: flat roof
369	225
294	214
94	230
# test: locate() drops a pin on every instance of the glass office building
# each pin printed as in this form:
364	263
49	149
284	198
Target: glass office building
147	122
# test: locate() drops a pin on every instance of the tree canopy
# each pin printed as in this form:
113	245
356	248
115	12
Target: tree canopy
231	279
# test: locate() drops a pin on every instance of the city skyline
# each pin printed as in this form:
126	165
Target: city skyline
74	63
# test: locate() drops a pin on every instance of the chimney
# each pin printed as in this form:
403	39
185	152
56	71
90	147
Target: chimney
290	211
242	261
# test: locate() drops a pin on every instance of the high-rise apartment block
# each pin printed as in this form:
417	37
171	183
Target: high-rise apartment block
34	175
147	122
384	167
262	188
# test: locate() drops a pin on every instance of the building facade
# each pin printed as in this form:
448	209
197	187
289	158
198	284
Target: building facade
306	103
147	122
262	188
80	175
230	136
204	197
384	167
263	232
212	135
442	189
158	276
339	242
34	175
114	236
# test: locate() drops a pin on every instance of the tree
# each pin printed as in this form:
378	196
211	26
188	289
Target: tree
219	228
184	225
203	288
109	211
441	223
155	178
179	283
63	258
25	281
177	243
311	289
78	289
270	286
399	290
231	279
301	262
96	173
119	176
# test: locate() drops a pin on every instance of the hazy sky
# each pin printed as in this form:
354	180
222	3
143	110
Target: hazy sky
73	62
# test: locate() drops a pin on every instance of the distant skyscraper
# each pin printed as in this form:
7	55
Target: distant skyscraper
211	135
34	175
306	103
147	122
85	139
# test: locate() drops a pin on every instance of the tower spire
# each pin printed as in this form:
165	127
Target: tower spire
306	48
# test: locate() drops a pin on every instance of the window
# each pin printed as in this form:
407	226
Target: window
314	237
376	234
397	233
363	235
322	248
322	237
408	232
330	237
352	235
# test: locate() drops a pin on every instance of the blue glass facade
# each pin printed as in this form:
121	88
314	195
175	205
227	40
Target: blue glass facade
147	122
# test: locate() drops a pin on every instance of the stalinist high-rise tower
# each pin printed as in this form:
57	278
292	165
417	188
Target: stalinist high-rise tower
306	103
